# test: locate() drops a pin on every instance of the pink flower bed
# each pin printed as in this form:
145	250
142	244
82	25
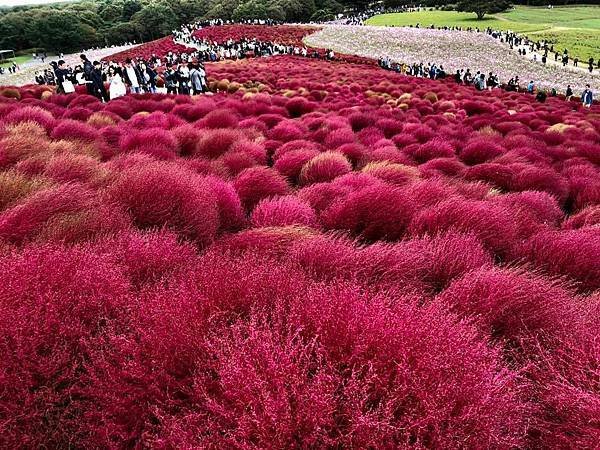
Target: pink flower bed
319	255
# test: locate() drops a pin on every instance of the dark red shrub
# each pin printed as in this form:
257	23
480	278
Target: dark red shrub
160	195
324	167
570	253
283	211
257	183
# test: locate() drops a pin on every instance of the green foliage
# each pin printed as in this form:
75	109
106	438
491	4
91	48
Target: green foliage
482	7
157	20
258	9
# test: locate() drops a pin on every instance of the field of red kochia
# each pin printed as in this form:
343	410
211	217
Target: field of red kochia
320	255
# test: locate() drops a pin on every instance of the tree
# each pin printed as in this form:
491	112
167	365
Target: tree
130	7
157	20
258	9
61	31
482	7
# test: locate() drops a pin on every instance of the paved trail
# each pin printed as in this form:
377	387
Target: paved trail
27	73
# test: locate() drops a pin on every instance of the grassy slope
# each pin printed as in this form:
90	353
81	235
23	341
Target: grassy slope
575	28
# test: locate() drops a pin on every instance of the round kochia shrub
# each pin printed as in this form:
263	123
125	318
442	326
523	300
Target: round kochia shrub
161	195
509	304
256	183
570	253
324	167
63	213
372	213
283	211
492	224
154	141
290	163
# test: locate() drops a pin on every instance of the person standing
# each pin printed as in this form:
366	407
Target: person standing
531	87
183	74
195	80
116	86
132	77
569	92
88	69
98	83
587	97
65	86
152	75
171	79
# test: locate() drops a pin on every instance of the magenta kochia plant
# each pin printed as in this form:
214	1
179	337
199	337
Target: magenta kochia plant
321	255
256	183
161	195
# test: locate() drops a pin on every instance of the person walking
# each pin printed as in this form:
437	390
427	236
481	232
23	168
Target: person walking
569	92
587	97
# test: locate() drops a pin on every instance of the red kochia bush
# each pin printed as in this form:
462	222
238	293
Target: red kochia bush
396	353
283	211
492	224
256	183
480	150
75	130
160	195
533	211
154	141
231	213
68	212
508	304
290	163
31	114
57	304
324	167
436	148
372	213
588	217
542	179
213	143
148	258
571	253
566	384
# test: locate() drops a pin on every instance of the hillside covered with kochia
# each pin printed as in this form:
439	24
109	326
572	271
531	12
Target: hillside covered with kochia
322	254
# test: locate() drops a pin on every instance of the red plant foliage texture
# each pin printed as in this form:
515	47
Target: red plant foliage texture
319	255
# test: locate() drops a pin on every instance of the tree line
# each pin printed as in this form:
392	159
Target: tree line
89	23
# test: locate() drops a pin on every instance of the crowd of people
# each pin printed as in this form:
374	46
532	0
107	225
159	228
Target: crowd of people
176	73
524	45
179	76
480	80
184	73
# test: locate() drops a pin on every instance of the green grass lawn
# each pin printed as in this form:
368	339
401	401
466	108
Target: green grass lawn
18	59
576	28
